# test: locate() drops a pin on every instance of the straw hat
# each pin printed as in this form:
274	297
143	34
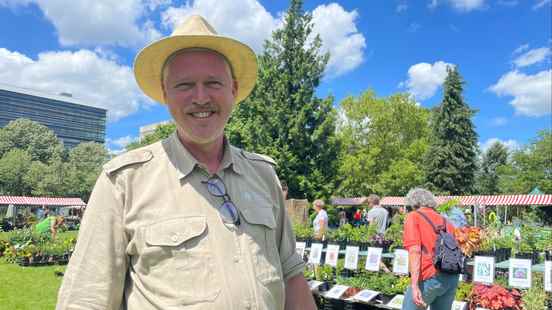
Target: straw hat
195	32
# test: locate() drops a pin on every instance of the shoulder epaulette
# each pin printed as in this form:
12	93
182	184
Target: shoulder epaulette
127	159
258	157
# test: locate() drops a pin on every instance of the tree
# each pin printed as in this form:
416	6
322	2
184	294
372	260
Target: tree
451	160
38	140
530	167
384	141
283	118
84	167
161	132
495	157
14	165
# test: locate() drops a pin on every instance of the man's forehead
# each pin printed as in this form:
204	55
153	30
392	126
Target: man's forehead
184	53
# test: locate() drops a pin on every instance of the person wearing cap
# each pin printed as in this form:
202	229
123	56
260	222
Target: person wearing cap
190	222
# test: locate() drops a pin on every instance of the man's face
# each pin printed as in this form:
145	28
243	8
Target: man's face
200	93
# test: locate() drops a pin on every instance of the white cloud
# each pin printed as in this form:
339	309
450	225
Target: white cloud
102	22
521	49
340	37
511	144
90	78
540	3
246	20
508	2
424	79
413	27
532	93
499	121
402	7
532	57
251	23
460	5
122	141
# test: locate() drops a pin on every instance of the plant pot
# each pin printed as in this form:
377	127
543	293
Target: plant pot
324	287
385	299
333	304
503	254
533	256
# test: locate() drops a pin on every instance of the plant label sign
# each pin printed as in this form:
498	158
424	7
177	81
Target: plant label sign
548	276
400	261
313	284
351	257
520	273
484	269
365	295
332	252
459	305
396	302
373	259
336	291
315	253
300	248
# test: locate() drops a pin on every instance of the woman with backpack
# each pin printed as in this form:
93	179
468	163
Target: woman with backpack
434	268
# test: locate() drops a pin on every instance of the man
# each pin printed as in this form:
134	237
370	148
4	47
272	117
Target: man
429	287
50	225
320	222
190	222
377	213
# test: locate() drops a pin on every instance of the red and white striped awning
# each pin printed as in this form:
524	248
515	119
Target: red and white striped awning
40	201
486	200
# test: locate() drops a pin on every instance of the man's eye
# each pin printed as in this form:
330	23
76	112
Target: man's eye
184	85
215	84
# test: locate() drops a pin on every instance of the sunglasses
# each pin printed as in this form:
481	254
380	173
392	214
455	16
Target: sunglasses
227	210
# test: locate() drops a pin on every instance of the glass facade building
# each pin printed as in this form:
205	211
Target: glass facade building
71	121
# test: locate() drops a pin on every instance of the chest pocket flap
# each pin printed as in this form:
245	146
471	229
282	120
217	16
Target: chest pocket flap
175	231
259	216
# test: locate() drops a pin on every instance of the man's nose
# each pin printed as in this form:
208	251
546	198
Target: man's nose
201	95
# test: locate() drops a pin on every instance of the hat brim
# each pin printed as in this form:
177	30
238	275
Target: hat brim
149	62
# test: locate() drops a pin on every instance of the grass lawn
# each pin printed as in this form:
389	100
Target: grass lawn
29	288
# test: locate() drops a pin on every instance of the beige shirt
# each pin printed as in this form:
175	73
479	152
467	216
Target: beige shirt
152	236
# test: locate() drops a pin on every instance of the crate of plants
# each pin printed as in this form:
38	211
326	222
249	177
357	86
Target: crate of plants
495	297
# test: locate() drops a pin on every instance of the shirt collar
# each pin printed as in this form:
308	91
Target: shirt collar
185	162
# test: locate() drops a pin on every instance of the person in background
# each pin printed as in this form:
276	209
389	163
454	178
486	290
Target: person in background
357	218
342	218
50	225
428	287
320	223
285	189
377	213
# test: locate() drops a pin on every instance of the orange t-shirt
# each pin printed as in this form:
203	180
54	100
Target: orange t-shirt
417	231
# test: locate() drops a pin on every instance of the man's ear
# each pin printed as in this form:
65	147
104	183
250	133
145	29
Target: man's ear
235	86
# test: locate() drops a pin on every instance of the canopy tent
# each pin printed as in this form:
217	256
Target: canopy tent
40	201
487	200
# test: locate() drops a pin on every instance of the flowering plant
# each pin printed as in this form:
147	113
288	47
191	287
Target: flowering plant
494	297
469	239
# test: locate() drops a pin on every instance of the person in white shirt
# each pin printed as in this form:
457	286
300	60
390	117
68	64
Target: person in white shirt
377	213
320	223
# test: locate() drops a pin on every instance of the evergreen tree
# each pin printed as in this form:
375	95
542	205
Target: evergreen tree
496	156
283	118
451	160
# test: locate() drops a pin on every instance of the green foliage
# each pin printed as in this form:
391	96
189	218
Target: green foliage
535	297
283	118
530	167
14	165
161	132
303	231
448	205
324	273
487	177
384	142
451	159
463	291
84	167
395	231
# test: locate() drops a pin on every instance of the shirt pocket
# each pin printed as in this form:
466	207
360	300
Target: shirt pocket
260	227
181	261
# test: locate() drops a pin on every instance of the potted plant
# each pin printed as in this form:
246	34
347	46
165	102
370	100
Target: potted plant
494	297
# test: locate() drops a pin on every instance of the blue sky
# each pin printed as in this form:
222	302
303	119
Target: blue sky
502	49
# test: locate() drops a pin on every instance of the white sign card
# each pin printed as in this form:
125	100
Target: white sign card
396	302
332	253
459	305
400	261
300	248
336	291
548	276
351	257
479	308
365	295
315	253
484	269
373	259
313	284
520	273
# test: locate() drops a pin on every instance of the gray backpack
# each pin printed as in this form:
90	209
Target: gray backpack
448	256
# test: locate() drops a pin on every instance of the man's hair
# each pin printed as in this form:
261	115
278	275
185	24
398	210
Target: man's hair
318	203
374	199
420	197
165	71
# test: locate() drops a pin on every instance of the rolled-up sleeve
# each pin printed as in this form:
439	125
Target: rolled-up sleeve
95	276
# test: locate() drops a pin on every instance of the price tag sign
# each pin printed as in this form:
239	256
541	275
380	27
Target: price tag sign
519	274
351	257
300	248
373	259
365	295
484	269
400	262
315	253
336	291
548	276
332	253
